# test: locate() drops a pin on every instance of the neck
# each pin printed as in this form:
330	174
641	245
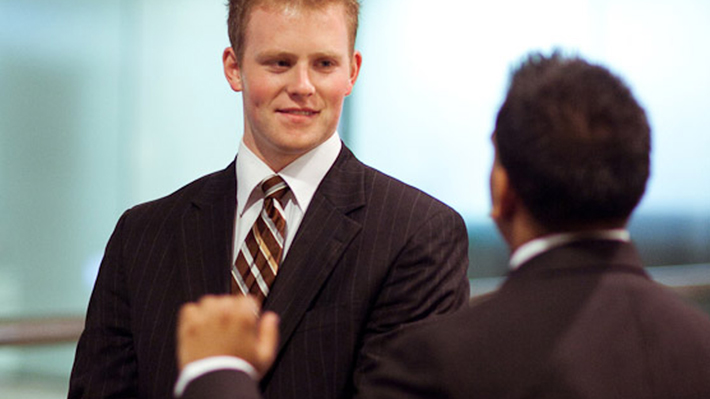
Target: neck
525	228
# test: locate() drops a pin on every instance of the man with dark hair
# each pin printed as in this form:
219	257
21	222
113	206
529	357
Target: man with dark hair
577	317
344	255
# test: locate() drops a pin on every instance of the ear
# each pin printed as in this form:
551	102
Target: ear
355	65
504	198
231	69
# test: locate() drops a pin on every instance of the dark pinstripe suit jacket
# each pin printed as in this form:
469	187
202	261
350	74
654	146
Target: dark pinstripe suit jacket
580	321
371	255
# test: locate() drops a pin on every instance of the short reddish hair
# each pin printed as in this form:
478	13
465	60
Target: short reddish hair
240	10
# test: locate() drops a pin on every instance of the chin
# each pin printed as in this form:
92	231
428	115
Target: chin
302	143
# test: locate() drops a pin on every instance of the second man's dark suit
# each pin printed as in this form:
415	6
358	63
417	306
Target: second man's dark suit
580	321
371	254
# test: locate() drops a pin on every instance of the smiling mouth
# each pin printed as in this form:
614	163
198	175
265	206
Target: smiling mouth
298	112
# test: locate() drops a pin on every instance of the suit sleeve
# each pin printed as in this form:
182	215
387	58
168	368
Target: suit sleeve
410	369
427	279
223	384
105	362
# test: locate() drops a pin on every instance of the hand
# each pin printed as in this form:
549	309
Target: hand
227	325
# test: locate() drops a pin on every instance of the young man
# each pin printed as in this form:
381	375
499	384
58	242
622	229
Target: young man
576	318
343	254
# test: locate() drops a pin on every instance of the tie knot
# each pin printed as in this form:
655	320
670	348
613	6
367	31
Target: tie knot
274	187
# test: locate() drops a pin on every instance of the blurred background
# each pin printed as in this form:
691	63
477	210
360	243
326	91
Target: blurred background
106	104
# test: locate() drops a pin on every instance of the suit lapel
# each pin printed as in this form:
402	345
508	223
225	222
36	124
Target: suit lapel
206	233
324	234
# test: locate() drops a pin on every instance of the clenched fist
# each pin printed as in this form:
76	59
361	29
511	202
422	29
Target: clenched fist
227	325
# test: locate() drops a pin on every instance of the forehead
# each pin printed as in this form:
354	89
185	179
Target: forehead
316	29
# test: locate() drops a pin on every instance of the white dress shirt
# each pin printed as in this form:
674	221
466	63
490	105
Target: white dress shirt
543	244
303	176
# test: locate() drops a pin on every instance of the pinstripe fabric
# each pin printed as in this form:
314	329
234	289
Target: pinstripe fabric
371	255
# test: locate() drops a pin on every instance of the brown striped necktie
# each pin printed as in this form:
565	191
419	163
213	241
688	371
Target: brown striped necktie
258	259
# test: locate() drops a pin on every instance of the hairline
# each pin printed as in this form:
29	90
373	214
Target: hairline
351	20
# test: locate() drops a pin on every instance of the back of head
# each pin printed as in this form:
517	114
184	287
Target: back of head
240	10
574	142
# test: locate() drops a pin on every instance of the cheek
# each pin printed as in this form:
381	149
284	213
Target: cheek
258	92
336	92
255	96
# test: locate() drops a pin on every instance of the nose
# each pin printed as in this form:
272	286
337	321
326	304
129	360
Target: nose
301	84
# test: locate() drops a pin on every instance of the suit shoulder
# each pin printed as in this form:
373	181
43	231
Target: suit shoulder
184	193
216	184
382	183
659	304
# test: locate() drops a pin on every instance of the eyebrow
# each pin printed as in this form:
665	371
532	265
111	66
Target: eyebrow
328	54
284	54
273	54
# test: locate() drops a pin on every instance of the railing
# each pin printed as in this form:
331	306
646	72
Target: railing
689	281
40	331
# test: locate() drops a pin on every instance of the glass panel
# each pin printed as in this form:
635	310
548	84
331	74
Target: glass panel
103	104
60	110
434	76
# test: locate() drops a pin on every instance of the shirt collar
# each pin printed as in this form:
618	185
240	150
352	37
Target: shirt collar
543	244
303	175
